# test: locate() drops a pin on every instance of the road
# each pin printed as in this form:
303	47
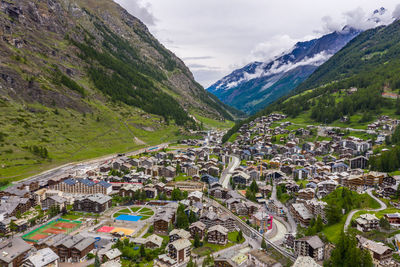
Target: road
256	237
291	221
227	173
351	214
83	166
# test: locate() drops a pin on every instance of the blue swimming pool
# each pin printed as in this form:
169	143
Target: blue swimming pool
131	218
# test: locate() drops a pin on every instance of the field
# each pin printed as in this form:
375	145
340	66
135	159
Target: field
70	136
209	248
214	124
59	226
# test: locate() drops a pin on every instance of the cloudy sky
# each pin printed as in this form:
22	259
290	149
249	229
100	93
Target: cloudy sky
214	37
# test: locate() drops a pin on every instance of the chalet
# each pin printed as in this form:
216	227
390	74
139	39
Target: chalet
54	201
113	255
301	214
359	162
209	179
367	222
311	246
241	178
393	218
13	252
81	249
260	258
153	242
214	171
178	234
381	254
163	218
93	203
306	193
195	196
198	228
180	250
210	218
262	220
42	258
217	234
151	192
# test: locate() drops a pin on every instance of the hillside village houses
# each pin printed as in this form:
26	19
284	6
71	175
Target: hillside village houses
305	171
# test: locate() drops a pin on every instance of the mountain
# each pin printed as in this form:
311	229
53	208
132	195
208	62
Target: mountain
66	41
369	64
259	84
83	78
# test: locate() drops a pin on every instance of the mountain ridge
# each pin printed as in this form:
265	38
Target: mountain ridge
368	64
258	84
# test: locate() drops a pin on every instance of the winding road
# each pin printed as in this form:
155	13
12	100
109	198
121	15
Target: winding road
256	237
351	214
291	221
227	173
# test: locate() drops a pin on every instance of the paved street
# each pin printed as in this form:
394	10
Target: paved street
291	221
351	214
227	173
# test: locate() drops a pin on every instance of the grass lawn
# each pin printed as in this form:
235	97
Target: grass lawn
124	211
214	124
208	248
332	232
233	137
135	209
144	218
232	237
303	182
145	210
71	217
284	198
182	177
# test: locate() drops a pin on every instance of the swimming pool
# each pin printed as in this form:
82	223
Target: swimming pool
131	218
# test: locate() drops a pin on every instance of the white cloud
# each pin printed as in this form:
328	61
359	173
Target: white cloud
330	25
228	34
396	12
272	48
140	10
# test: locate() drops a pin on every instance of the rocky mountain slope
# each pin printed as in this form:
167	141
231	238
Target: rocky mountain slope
60	53
259	84
83	78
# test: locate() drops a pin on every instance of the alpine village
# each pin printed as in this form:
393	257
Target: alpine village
111	154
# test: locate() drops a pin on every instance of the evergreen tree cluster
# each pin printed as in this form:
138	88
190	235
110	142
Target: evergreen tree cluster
347	254
39	151
119	72
251	191
388	161
183	219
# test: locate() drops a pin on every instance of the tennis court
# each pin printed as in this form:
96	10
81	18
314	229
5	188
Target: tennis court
131	218
59	226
